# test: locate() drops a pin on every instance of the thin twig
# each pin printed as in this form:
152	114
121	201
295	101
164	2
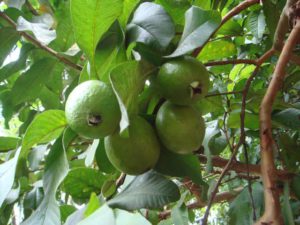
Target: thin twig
260	61
221	197
272	213
31	39
223	93
236	10
31	9
232	61
120	180
239	167
249	181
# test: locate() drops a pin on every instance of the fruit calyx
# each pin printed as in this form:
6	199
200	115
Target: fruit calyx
196	88
94	120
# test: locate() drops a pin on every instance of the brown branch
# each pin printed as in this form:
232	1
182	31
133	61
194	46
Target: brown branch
233	62
272	213
239	167
31	9
236	10
120	180
221	197
223	93
34	41
243	135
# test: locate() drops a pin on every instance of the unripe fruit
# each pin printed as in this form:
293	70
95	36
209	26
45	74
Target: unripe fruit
182	81
180	128
92	109
134	154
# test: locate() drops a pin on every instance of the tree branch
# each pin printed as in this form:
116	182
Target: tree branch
233	62
260	61
236	10
221	197
34	41
239	167
272	213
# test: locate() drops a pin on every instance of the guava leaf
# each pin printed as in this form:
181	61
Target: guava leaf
128	80
129	6
199	25
15	66
29	85
45	127
149	190
240	209
107	50
256	23
151	25
114	217
40	27
7	176
81	182
56	168
172	164
91	19
8	143
8	38
289	118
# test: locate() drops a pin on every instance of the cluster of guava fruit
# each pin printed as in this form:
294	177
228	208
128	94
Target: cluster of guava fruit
92	110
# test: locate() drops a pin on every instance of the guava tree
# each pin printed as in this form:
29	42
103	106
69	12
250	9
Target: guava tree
161	112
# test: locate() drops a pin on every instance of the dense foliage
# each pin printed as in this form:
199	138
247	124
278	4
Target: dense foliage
50	175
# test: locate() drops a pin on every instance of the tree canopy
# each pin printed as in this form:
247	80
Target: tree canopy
245	171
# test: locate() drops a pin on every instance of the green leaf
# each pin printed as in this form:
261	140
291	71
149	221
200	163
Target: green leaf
129	6
217	50
91	19
176	9
251	120
240	209
151	25
114	217
179	212
65	211
8	38
13	67
56	168
8	143
199	25
272	14
81	182
107	51
289	118
105	213
41	28
128	80
149	190
172	164
90	153
108	188
102	161
29	85
45	127
92	205
231	27
7	176
256	23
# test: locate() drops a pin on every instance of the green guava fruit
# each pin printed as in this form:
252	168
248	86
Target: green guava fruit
136	153
182	81
180	128
92	109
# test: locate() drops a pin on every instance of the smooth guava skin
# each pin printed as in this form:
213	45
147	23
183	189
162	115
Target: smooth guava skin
175	77
134	154
180	128
93	98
